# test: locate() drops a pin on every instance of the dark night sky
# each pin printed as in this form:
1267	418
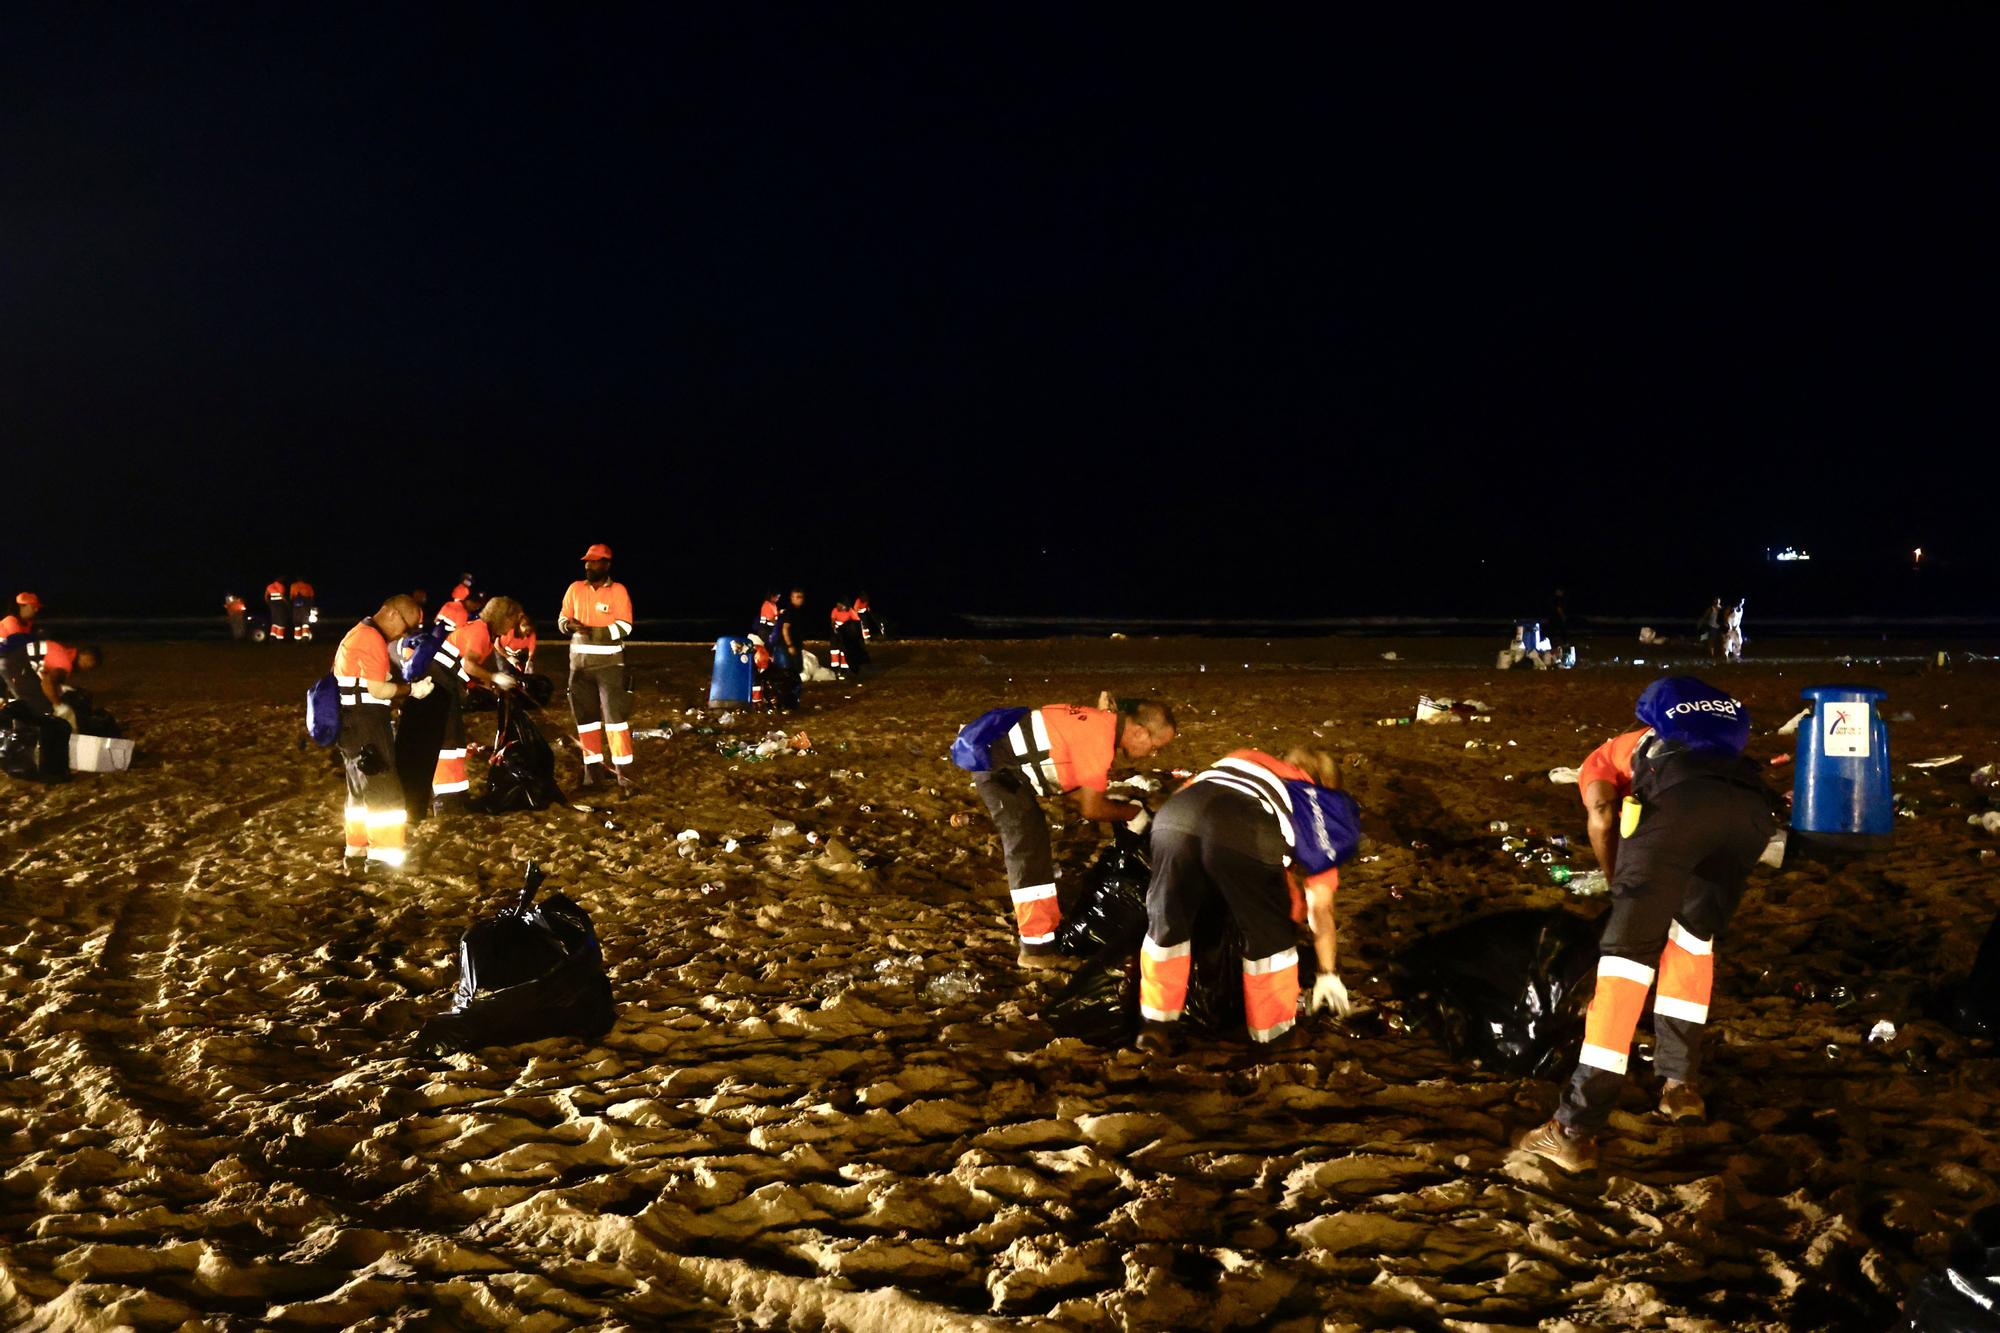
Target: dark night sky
960	306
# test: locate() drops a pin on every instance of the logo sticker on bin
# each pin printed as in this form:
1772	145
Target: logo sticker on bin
1844	729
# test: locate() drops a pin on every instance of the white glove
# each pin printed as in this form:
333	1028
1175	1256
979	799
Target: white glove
423	688
503	681
1139	822
1329	993
67	714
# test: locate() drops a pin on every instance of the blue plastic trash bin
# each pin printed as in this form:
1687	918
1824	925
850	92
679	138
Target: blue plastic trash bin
729	682
1840	789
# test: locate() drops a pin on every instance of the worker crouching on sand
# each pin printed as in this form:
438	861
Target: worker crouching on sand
58	663
1017	755
1693	817
375	817
597	616
1268	835
466	656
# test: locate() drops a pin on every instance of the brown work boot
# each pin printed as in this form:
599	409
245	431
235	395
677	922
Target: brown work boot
1556	1145
1047	961
1682	1104
1155	1038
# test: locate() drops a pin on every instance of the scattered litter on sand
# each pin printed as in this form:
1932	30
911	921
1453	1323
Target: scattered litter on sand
829	1099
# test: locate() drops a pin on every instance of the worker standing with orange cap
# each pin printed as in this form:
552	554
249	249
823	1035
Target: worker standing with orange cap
597	616
465	605
20	646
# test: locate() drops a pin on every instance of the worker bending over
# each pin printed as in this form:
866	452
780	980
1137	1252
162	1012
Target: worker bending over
466	656
1267	836
375	818
1692	818
1018	755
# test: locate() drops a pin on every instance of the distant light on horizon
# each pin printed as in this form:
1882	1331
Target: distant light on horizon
1792	553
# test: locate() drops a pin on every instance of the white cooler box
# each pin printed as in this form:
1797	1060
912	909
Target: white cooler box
99	754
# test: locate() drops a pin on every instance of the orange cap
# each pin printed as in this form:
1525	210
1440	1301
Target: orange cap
599	551
460	593
28	599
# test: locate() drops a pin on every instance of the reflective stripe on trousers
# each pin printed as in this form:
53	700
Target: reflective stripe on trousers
1036	913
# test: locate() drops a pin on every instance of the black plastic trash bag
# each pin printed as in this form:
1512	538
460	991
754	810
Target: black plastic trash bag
1974	1007
1111	911
522	773
1507	991
533	971
1101	1002
1215	980
537	688
90	719
1965	1297
33	746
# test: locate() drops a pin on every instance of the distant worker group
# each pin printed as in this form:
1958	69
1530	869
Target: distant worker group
475	642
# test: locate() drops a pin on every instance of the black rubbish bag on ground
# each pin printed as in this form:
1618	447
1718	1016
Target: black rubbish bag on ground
1215	980
90	719
1973	1008
522	774
33	746
1965	1297
1507	991
532	971
1101	1002
1111	910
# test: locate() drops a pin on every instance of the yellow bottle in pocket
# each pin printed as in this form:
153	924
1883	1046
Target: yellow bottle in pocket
1628	817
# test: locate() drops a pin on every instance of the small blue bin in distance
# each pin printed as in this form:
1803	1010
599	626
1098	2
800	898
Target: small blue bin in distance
1840	787
730	681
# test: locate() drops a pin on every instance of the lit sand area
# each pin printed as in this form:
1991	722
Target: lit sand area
829	1100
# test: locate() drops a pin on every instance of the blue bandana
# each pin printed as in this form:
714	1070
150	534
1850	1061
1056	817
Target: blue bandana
1695	713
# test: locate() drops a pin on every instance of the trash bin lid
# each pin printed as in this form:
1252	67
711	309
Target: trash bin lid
1843	693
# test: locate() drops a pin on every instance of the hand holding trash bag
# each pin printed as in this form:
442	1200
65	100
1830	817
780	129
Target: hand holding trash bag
422	689
1330	993
503	681
67	714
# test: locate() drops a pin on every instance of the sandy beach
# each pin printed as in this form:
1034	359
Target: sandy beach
830	1101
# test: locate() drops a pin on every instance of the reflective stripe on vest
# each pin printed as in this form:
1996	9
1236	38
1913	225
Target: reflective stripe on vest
448	658
1261	783
354	692
1028	749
